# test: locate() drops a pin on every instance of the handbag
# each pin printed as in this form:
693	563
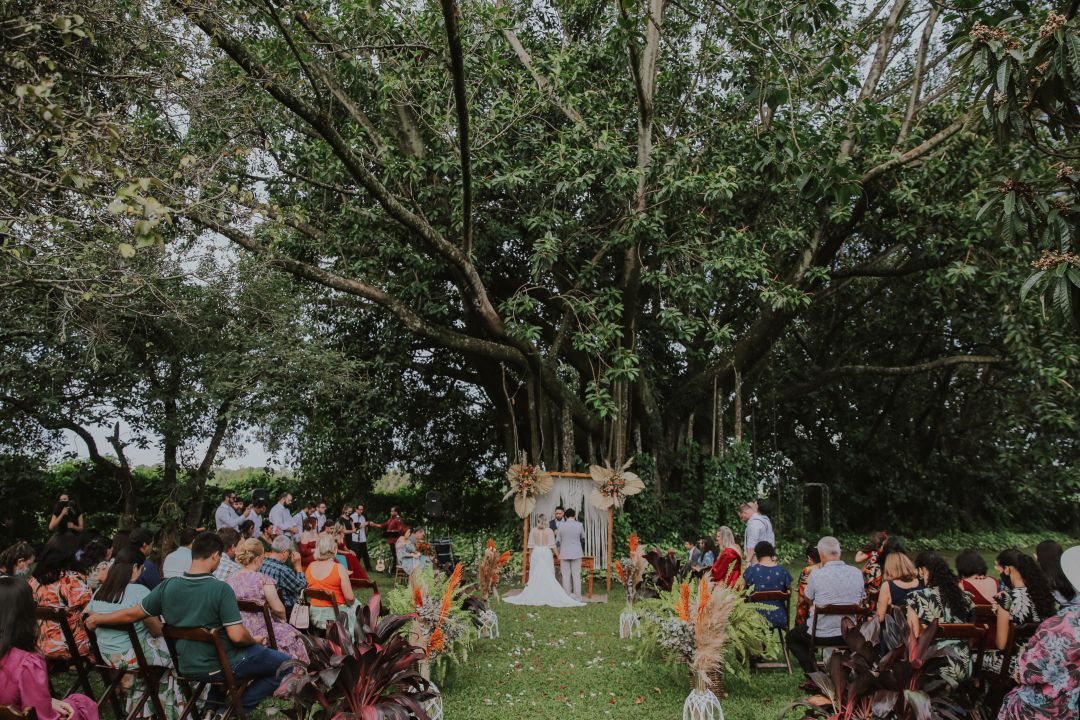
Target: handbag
300	617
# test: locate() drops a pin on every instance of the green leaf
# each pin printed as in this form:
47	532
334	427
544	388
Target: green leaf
127	250
1030	283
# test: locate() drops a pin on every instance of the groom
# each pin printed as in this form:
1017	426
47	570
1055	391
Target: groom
571	537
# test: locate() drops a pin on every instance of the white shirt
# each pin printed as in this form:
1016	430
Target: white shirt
176	563
256	519
359	522
281	518
320	520
226	517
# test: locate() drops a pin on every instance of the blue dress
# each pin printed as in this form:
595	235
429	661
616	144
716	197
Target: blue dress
770	579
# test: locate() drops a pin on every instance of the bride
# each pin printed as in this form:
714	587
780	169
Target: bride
542	588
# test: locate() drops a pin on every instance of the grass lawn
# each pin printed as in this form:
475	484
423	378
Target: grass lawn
553	664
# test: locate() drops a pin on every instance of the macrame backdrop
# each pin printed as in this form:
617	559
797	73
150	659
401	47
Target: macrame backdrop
572	490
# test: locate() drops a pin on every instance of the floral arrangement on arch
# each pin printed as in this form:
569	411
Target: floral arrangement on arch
527	482
491	565
630	570
613	485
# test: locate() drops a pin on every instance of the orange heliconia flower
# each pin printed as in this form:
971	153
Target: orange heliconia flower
682	606
620	570
417	597
437	642
448	598
633	544
491	544
704	596
504	558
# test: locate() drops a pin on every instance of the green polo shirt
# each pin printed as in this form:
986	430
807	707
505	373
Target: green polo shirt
197	601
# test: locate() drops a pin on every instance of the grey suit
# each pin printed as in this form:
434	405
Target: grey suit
571	538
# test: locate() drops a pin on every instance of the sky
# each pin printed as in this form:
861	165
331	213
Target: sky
255	454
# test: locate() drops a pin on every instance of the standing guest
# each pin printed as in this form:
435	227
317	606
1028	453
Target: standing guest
870	555
120	591
359	537
178	561
941	599
67	516
758	528
1048	555
899	578
24	681
280	516
199	600
392	530
258	509
143	540
1027	599
1048	671
767	576
251	585
56	582
228	565
330	576
17	560
320	516
834	583
971	568
225	516
282	565
728	566
813	562
307	541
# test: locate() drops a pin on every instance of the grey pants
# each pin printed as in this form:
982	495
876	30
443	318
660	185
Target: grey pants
571	570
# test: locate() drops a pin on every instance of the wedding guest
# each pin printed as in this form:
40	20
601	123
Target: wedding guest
758	528
226	516
345	555
24	680
834	583
694	555
869	554
392	530
941	599
247	529
408	555
280	516
1027	599
67	516
268	534
813	562
728	566
178	561
17	560
709	556
767	576
228	565
1048	671
899	579
971	568
320	515
255	517
282	565
1048	555
307	541
251	585
359	536
143	540
327	574
56	582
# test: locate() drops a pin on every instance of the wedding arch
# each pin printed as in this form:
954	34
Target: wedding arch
572	490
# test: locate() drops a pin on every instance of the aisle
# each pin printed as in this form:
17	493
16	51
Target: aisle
570	664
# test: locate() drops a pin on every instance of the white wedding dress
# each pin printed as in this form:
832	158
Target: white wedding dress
543	588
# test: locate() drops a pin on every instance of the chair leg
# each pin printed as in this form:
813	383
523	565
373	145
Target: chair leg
783	645
191	695
112	690
153	684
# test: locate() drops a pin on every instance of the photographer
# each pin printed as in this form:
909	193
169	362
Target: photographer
67	516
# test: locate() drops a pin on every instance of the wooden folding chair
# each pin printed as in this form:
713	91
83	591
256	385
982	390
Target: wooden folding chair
366	585
77	662
325	597
1001	681
261	609
193	688
858	612
974	634
113	677
783	596
9	713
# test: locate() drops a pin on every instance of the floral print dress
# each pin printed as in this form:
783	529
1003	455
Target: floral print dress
802	609
1017	602
1048	672
70	591
928	607
872	580
249	586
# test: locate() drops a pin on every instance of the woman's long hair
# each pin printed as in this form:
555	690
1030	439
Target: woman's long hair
1038	587
1048	554
56	558
119	576
18	627
727	538
948	585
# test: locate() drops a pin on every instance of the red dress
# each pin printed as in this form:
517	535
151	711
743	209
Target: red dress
728	568
356	570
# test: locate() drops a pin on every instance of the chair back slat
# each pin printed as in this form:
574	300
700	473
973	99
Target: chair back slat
233	689
9	713
323	596
770	596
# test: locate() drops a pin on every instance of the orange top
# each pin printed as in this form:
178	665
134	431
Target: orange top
331	584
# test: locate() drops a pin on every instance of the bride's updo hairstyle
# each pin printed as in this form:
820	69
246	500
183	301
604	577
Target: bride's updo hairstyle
541	520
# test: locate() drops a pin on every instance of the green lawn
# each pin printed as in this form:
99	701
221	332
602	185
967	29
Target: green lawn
563	664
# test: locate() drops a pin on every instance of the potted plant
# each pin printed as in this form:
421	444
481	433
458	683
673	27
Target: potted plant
630	571
487	584
371	673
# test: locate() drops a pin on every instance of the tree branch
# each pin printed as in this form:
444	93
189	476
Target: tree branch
918	151
451	13
842	371
916	80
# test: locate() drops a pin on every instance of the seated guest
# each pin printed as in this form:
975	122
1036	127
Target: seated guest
1048	555
325	573
941	599
248	530
309	538
56	582
898	580
228	565
24	681
870	555
178	561
813	562
120	591
728	566
17	560
971	568
251	585
347	556
198	599
709	547
268	535
282	565
93	560
1026	599
407	555
143	540
834	583
1048	671
766	576
695	554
